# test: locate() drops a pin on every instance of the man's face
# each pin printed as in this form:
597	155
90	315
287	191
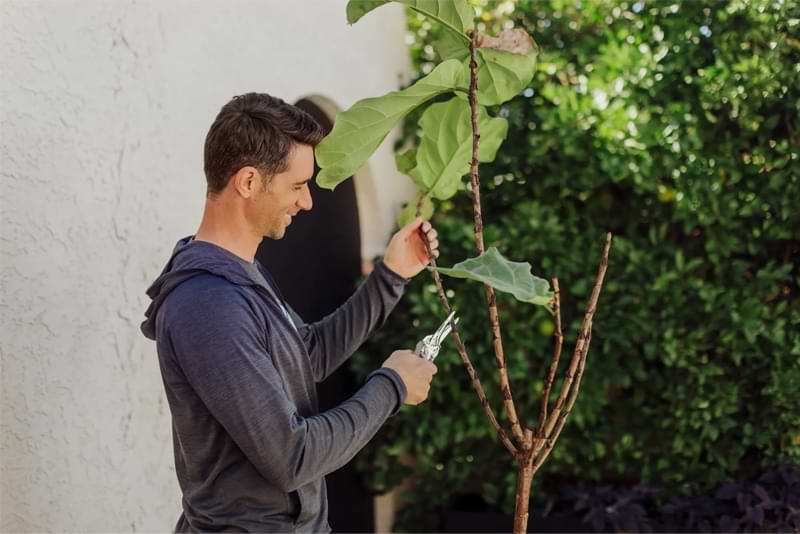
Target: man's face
285	195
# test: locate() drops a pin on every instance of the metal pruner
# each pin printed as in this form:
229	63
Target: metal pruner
429	347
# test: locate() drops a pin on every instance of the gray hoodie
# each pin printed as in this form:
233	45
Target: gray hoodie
251	448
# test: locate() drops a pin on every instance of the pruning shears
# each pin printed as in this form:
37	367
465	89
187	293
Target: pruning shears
429	347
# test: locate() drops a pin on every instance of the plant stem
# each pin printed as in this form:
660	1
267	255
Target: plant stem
462	350
536	451
524	480
550	442
551	373
494	319
576	365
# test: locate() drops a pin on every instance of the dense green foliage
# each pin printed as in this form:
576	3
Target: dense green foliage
673	125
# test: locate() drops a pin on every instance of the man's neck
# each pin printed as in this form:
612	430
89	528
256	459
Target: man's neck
223	228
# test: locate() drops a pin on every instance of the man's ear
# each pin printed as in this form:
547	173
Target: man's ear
245	182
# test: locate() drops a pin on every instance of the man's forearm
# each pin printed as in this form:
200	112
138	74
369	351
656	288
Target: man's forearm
331	341
333	438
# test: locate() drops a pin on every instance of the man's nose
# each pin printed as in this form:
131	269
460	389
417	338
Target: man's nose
305	201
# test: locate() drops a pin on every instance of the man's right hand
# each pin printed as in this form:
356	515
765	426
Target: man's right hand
417	374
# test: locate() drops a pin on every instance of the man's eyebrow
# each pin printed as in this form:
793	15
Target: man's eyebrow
303	181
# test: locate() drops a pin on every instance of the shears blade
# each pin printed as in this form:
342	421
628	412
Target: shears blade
445	328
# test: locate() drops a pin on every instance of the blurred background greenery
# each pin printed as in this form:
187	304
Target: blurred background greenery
673	125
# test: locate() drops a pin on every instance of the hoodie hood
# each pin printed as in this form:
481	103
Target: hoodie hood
190	258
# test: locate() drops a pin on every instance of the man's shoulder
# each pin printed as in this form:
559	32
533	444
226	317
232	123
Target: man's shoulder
205	293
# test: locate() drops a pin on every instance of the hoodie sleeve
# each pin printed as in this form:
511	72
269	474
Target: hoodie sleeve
220	343
332	340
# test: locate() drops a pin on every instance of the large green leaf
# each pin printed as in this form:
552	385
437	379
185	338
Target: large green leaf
504	275
359	131
456	15
506	63
502	75
445	152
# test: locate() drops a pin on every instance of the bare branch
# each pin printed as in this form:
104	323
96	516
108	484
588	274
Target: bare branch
562	419
551	373
581	349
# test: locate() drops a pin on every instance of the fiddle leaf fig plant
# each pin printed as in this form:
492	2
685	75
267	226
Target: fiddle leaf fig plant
458	132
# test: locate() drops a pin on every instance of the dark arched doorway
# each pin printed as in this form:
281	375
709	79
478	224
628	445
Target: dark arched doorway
317	265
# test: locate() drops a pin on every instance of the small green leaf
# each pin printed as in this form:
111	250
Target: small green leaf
445	151
359	131
455	15
409	212
406	161
504	275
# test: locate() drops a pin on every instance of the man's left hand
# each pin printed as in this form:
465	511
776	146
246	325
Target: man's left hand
406	254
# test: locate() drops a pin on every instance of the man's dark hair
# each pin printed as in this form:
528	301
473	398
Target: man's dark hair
256	130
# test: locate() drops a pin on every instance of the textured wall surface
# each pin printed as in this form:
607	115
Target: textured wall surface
105	106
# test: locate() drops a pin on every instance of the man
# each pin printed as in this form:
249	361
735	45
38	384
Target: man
239	366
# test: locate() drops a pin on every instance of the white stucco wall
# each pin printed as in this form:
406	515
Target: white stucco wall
105	106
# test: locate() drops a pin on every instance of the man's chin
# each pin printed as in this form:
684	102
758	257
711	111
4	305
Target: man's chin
276	233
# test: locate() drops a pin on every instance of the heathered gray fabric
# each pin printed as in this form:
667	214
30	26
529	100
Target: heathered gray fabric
251	448
254	272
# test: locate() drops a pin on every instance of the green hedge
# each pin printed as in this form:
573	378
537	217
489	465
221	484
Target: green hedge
674	126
